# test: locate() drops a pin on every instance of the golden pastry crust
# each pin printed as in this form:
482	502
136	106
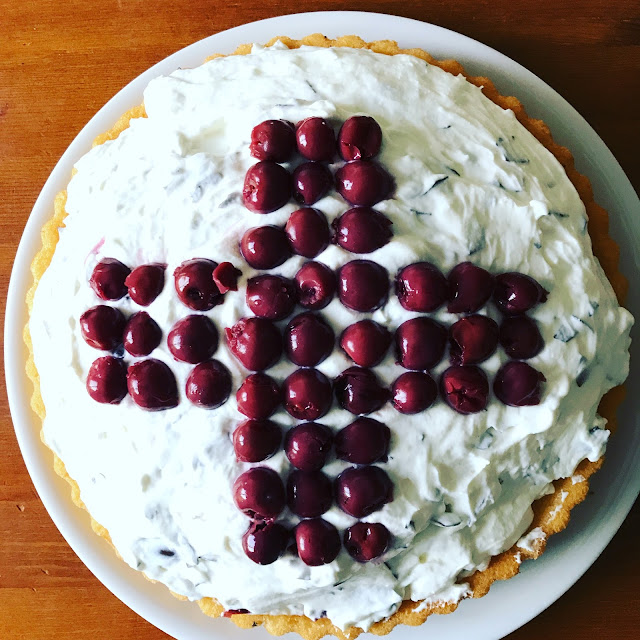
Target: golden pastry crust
551	513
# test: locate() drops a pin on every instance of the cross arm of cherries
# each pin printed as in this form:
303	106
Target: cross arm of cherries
307	394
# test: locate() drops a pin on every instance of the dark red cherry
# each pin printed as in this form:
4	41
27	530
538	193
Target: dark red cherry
309	493
317	541
360	138
258	396
152	385
472	339
225	275
362	230
366	541
359	391
363	184
308	339
267	187
364	441
265	247
141	334
362	490
146	283
465	388
516	293
271	297
259	493
102	327
108	279
209	384
255	342
308	232
470	287
413	392
365	342
265	542
316	285
421	287
195	286
518	385
363	285
311	181
520	337
316	139
308	445
193	339
420	343
307	394
256	440
273	140
107	380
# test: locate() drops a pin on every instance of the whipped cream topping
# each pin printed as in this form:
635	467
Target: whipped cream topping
472	184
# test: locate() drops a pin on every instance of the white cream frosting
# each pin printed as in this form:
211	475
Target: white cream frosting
168	189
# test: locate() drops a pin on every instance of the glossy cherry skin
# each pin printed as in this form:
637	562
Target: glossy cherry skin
193	339
516	293
362	230
271	297
141	334
316	139
309	493
225	275
256	440
465	388
317	542
366	342
255	342
520	337
472	339
265	542
363	184
517	384
259	493
308	339
209	384
108	279
413	392
102	327
308	232
307	394
359	391
363	285
316	285
273	140
360	138
258	396
265	247
421	287
311	181
107	380
364	441
420	343
195	286
152	385
470	287
366	541
362	490
146	283
308	445
267	187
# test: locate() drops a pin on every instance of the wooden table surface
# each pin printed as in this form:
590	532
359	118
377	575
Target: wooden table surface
61	61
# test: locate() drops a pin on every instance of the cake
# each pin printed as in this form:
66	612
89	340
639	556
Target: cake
391	307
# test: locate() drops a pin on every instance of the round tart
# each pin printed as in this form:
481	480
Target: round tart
322	340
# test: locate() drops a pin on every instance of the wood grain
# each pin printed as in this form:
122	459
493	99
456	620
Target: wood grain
61	61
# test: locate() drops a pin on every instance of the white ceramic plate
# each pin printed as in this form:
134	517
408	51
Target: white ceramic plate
509	605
